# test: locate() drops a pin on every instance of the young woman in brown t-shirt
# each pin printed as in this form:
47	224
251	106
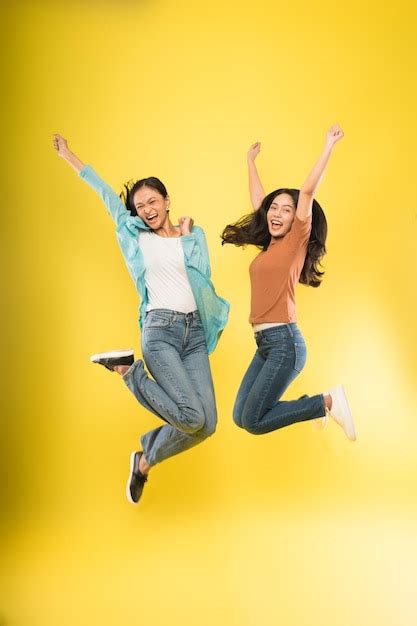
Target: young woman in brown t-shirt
290	228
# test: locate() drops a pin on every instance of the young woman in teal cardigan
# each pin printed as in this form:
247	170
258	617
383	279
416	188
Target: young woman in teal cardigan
181	318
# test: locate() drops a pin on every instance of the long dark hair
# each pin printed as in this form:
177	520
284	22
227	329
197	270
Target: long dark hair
131	187
253	229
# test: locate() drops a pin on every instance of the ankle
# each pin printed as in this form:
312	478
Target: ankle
327	401
144	466
121	369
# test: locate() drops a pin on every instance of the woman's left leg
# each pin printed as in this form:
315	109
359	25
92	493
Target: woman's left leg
283	351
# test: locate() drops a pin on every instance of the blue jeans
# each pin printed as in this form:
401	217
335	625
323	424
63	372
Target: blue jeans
280	357
182	393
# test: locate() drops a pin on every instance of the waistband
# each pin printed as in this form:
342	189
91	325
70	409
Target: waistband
177	314
258	327
286	329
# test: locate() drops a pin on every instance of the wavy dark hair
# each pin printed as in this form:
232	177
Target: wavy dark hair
253	229
131	187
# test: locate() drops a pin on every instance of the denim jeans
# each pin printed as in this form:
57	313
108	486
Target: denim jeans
182	393
280	357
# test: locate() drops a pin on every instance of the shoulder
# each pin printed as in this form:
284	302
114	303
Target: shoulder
145	234
302	223
301	228
198	230
198	235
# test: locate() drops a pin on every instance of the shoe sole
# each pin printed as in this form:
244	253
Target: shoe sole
348	424
132	464
115	354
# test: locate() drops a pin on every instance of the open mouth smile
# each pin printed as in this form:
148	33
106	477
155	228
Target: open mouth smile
152	218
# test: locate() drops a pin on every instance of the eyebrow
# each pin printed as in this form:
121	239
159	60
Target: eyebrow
140	203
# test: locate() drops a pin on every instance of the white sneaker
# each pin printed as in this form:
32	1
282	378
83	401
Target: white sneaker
340	411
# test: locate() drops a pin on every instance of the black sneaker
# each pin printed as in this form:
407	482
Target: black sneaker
136	480
111	359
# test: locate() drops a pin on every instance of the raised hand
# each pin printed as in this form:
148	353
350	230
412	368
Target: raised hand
186	225
254	151
60	145
334	134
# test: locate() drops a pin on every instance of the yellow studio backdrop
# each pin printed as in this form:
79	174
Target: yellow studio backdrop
298	527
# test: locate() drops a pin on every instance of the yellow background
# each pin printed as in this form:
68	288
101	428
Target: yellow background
298	527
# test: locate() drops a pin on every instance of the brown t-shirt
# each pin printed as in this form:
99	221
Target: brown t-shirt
274	274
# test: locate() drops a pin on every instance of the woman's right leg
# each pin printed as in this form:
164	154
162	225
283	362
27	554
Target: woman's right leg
246	385
182	393
168	397
168	440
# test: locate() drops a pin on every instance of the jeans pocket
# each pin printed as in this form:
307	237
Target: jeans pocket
158	320
300	356
273	336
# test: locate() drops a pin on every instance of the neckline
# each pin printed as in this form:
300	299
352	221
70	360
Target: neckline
173	237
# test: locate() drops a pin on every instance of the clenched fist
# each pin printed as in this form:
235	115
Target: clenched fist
186	225
254	151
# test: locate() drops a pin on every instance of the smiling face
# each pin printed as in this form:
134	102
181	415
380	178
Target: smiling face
151	206
280	215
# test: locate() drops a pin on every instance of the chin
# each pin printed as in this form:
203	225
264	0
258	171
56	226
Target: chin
276	235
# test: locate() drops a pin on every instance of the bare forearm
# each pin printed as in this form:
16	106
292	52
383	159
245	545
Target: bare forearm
256	190
314	178
112	201
72	160
334	134
61	146
309	188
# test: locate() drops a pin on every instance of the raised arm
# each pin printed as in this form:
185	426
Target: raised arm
110	198
309	188
61	146
257	193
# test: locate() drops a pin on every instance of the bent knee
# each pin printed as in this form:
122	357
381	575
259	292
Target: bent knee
252	429
248	424
245	421
237	416
192	424
209	427
237	420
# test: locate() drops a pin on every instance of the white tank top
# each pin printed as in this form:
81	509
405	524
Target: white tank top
165	274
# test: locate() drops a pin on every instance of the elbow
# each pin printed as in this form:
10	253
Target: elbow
307	191
257	201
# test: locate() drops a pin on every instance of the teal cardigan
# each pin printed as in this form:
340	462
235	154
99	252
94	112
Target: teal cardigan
213	309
